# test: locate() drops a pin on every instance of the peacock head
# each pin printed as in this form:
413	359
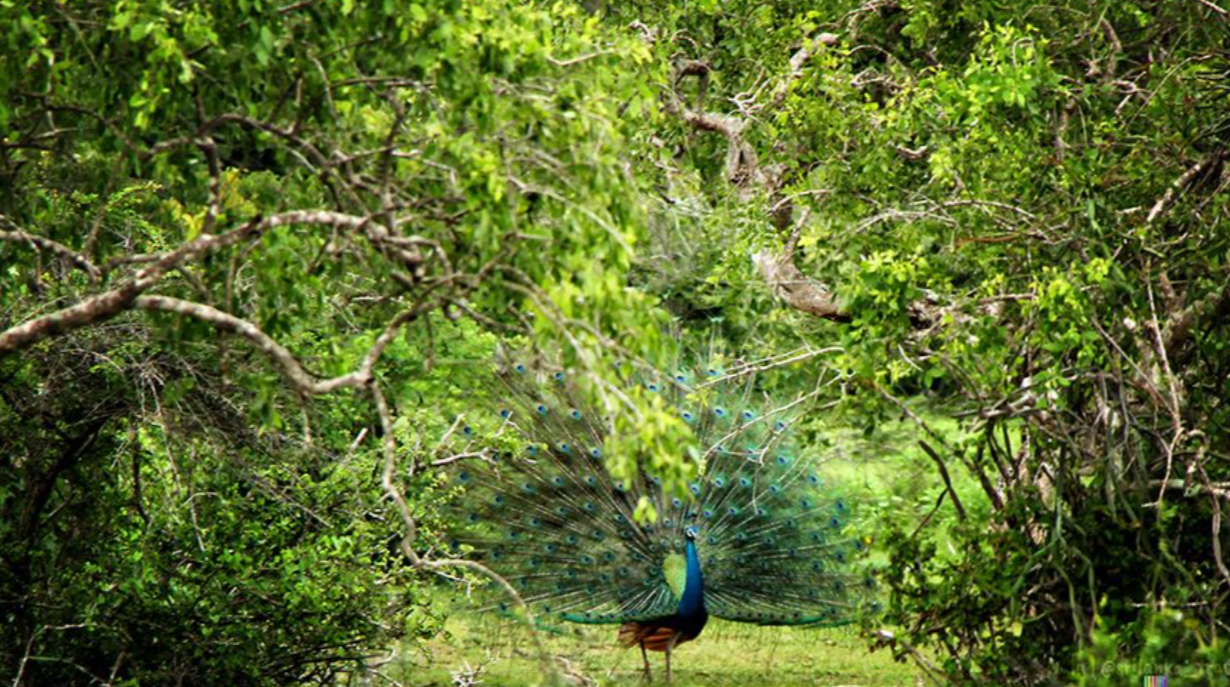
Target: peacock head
690	532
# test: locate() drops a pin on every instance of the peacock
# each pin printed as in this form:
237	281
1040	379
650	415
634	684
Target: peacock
758	537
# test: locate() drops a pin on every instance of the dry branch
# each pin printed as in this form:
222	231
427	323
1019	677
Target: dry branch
747	175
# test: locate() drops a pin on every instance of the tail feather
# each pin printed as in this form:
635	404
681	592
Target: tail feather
554	522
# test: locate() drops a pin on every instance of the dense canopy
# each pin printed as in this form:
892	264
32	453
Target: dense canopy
257	261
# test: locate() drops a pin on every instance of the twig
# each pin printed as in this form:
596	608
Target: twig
934	674
580	58
1171	196
939	463
1213	7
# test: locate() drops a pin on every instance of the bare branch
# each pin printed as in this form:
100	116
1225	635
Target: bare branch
389	482
1180	185
887	638
288	365
1215	8
744	171
110	303
580	58
799	60
1180	326
791	285
42	243
939	463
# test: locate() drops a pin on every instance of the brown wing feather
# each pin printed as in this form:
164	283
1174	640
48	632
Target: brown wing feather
654	637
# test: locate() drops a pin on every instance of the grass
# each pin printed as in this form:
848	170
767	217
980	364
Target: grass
726	655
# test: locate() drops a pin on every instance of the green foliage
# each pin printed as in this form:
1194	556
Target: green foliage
1170	642
998	199
485	139
1021	208
177	545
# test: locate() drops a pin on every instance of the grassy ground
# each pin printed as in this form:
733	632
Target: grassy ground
726	655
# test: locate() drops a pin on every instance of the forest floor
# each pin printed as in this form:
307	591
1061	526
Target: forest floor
726	655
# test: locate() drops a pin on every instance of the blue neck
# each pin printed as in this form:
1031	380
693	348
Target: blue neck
693	601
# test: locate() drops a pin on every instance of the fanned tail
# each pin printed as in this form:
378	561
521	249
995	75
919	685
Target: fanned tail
546	514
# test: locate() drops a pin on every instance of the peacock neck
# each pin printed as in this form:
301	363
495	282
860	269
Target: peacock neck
693	600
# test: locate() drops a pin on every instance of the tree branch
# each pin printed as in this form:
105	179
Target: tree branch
791	285
389	448
744	171
939	462
108	304
45	244
288	365
1180	185
1180	326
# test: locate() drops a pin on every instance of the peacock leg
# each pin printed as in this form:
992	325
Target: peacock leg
668	664
669	645
645	657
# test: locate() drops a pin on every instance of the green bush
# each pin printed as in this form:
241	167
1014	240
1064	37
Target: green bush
1170	643
150	535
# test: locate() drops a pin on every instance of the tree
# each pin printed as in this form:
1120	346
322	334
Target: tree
214	214
1010	215
1019	212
